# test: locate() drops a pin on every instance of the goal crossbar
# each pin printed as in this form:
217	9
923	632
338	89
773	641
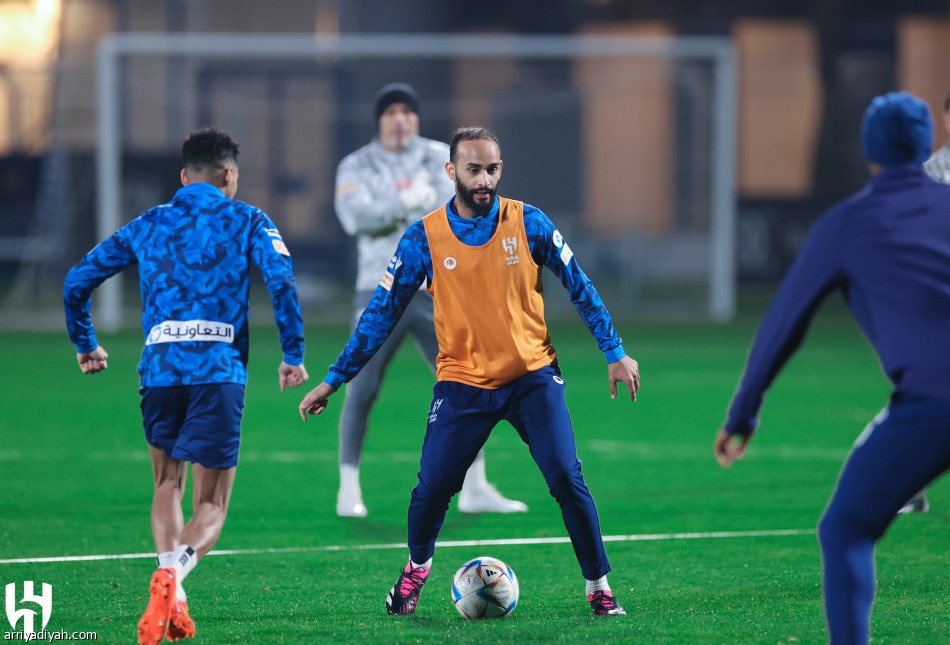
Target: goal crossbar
275	46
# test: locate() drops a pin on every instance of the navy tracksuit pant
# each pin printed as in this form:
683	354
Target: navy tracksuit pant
905	448
460	420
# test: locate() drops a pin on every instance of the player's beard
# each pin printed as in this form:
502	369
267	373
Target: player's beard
468	198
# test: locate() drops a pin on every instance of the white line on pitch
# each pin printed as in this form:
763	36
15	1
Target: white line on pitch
456	543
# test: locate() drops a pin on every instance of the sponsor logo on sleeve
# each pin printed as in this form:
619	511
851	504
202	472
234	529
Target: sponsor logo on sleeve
280	247
387	281
557	239
345	187
566	254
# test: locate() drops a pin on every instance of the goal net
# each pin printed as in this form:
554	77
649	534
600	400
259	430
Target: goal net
626	143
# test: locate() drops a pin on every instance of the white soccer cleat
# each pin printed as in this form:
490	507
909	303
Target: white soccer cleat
349	499
486	499
916	504
355	509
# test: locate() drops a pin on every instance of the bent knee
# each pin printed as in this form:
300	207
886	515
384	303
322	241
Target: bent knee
565	479
838	527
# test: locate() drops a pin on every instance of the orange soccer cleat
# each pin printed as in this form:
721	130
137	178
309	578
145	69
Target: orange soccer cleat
154	621
180	624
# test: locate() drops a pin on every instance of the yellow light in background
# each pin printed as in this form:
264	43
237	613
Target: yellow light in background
29	43
28	31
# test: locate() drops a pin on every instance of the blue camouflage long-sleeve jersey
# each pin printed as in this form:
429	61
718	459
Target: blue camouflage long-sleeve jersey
888	249
194	255
411	266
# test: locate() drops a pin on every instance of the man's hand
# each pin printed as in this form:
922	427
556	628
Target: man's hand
92	362
625	371
417	195
729	448
292	375
316	400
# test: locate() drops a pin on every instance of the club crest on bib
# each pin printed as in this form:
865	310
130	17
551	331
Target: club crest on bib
510	244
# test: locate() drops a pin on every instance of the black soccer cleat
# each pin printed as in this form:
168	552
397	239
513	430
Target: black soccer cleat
604	604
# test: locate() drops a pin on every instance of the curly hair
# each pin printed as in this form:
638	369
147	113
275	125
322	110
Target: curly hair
208	148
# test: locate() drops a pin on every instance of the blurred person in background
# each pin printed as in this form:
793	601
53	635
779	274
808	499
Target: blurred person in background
887	248
194	256
938	167
381	189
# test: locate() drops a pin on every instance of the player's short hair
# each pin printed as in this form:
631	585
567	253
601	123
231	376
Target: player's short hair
470	134
208	148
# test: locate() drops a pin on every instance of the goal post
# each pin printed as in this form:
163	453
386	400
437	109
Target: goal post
549	77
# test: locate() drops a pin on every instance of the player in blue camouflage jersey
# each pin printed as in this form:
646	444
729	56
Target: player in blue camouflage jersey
887	248
194	256
482	257
382	188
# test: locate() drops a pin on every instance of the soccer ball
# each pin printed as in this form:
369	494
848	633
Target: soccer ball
485	588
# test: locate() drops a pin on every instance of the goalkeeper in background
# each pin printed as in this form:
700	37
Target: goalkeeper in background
381	189
887	248
194	256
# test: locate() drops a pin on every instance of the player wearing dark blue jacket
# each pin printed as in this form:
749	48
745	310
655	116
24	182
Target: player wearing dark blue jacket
194	256
887	248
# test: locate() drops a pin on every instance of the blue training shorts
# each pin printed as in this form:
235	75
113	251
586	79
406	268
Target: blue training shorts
195	423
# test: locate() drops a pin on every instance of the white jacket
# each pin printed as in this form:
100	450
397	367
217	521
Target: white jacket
938	166
380	193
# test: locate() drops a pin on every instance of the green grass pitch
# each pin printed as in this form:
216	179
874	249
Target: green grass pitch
76	481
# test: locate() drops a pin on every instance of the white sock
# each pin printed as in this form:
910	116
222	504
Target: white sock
350	476
600	584
424	565
165	560
476	480
185	561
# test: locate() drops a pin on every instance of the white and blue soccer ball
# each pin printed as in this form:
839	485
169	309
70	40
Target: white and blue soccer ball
485	588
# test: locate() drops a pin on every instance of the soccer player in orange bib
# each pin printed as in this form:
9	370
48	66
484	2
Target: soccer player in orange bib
482	256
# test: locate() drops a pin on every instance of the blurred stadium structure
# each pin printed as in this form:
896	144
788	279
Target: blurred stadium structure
627	143
612	147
